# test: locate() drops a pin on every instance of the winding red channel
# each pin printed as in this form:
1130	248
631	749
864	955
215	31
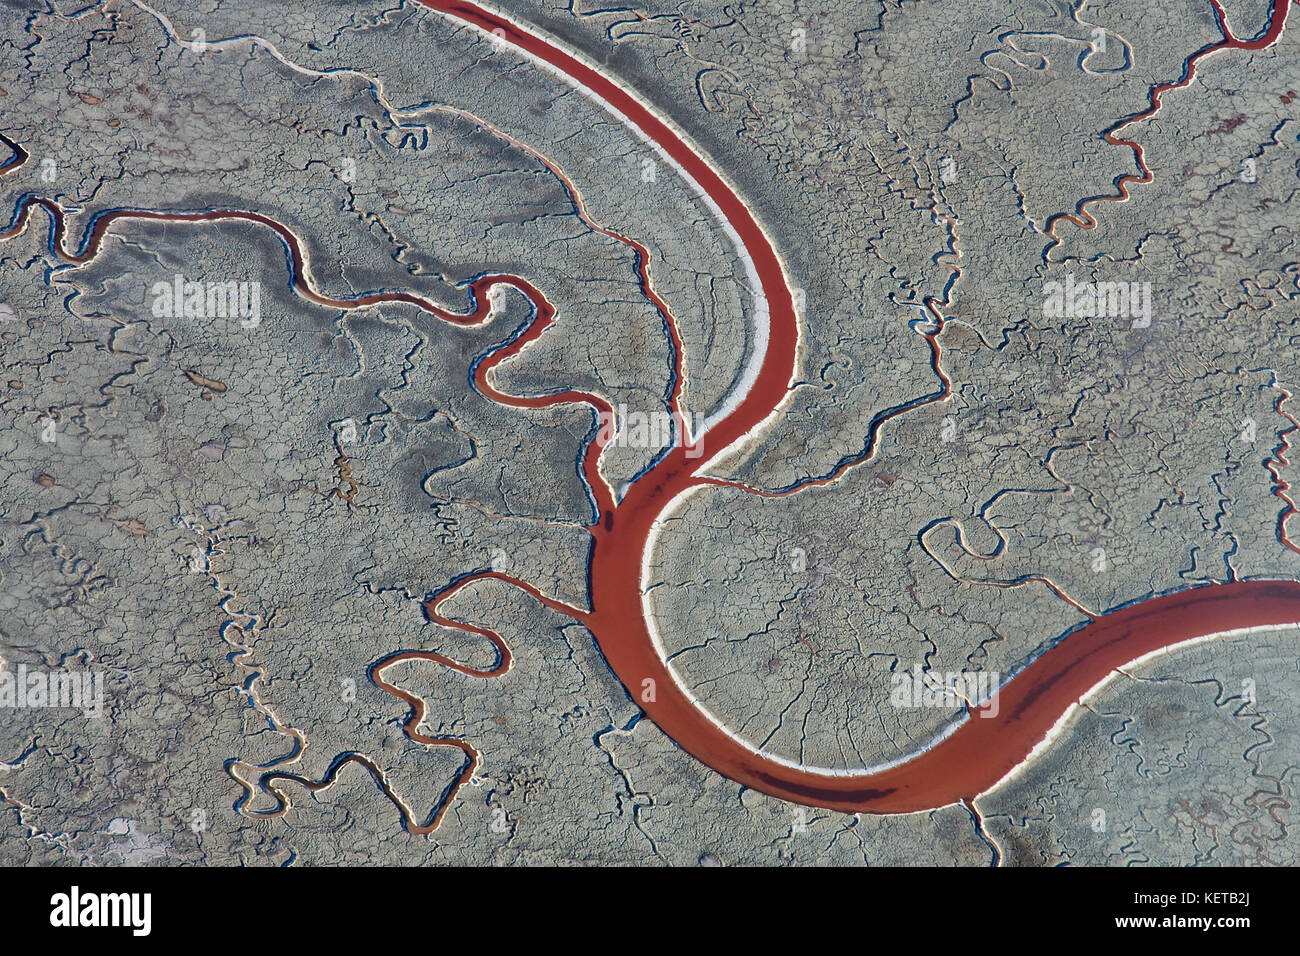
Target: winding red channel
986	746
983	749
1277	16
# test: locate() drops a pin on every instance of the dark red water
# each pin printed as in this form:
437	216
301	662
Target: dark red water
984	749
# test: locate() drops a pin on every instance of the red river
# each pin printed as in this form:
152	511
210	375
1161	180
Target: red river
988	742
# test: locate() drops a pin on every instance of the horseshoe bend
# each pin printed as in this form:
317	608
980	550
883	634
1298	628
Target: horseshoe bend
793	401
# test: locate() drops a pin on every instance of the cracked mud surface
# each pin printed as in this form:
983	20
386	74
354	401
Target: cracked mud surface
238	524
